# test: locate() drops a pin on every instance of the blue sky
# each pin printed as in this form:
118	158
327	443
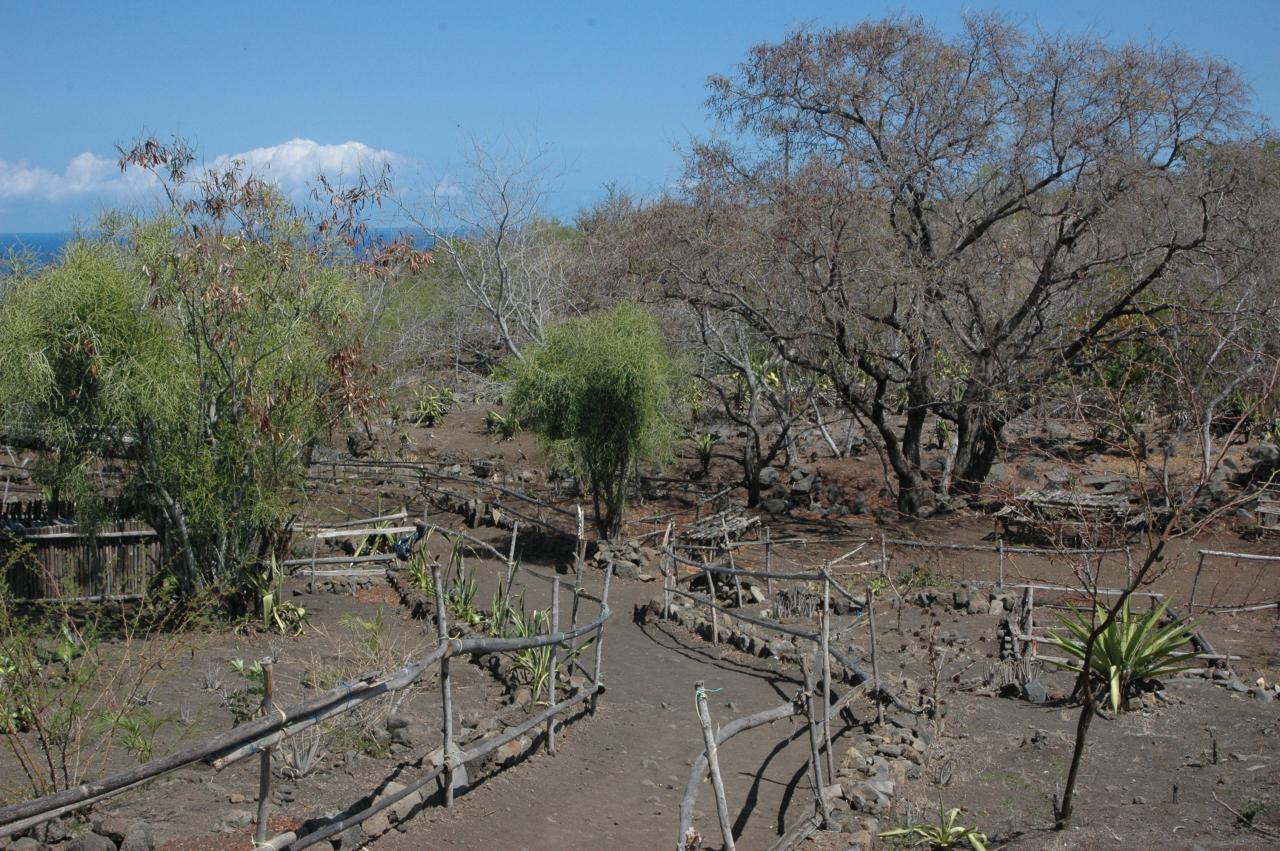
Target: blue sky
610	90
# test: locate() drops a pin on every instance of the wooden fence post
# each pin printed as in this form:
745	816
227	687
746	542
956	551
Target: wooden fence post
875	658
768	560
668	570
814	757
604	603
554	664
446	695
1000	549
713	764
315	545
711	603
1031	619
264	768
1191	600
826	677
580	545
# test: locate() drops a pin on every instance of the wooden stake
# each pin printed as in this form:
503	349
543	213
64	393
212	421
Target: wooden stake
668	570
604	603
555	655
264	769
875	659
711	600
713	764
515	533
1191	601
1000	549
580	545
826	678
446	694
315	545
1031	620
768	560
814	761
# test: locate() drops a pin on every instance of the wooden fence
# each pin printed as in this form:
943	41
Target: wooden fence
115	561
260	736
1241	593
816	706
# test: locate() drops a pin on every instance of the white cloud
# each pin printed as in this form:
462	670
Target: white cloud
293	163
290	164
446	188
85	173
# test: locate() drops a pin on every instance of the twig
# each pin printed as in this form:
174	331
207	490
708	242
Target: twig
1245	821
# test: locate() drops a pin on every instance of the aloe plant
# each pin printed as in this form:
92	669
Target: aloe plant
947	833
1131	648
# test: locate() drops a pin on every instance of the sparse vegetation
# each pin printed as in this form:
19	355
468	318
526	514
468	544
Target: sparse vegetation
964	288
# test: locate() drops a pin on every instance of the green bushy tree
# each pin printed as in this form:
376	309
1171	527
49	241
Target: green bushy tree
600	391
202	352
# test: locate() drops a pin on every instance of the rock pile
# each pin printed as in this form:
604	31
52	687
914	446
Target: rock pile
627	560
105	833
872	771
803	488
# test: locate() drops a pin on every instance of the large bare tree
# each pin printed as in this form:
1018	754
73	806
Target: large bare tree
942	227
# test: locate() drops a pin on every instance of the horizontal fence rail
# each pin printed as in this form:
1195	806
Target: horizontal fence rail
260	736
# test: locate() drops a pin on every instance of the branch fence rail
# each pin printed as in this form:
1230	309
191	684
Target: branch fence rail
258	736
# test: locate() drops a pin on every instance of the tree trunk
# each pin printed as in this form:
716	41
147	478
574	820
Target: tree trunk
977	442
751	470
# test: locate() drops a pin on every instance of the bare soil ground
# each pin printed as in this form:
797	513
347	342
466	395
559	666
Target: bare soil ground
1161	777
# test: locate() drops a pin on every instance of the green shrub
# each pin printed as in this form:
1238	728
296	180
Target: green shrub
203	352
600	392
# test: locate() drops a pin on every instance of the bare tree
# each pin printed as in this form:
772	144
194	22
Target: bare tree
490	231
757	390
952	225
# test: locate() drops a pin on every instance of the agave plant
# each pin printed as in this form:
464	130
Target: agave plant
947	833
705	445
1131	648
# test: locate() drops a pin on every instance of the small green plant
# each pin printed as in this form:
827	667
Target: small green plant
1130	649
1272	432
370	631
430	405
705	445
135	731
375	541
265	584
288	618
1251	809
533	664
462	599
941	433
921	576
504	427
243	703
302	754
947	833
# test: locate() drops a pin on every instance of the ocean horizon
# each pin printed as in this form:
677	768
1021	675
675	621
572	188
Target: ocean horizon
46	246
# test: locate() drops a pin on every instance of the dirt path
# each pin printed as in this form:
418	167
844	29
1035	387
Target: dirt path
618	777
